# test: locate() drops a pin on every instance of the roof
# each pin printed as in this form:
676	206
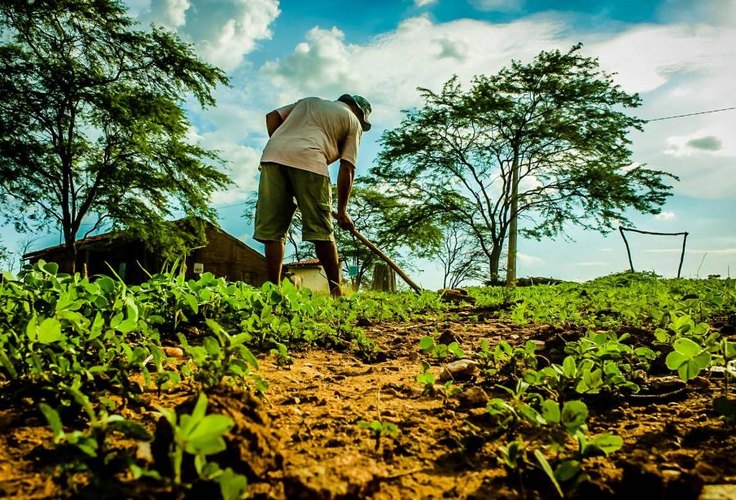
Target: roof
99	239
106	238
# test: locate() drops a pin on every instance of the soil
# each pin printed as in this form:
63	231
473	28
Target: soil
303	439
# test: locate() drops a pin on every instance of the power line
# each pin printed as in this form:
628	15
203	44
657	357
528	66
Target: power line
691	114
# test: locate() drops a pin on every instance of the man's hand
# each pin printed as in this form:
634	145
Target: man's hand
344	220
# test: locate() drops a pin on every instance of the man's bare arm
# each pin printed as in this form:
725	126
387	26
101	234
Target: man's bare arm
273	121
344	187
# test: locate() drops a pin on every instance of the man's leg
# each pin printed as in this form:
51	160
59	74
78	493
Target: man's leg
274	210
327	255
274	260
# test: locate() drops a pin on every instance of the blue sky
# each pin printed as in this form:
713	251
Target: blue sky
677	54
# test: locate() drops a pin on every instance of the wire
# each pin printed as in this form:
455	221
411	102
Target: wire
691	114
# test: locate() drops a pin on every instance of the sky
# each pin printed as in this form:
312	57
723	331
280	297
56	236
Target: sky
677	54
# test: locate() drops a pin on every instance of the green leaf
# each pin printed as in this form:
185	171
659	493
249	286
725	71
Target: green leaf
686	347
551	411
232	486
455	349
567	470
49	331
206	437
675	359
569	367
52	417
607	443
426	343
547	468
127	326
574	414
198	413
32	329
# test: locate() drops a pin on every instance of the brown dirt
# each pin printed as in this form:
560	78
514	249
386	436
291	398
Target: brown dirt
303	440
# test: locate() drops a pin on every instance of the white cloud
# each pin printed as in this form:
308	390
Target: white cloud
419	52
222	31
424	3
169	13
497	5
665	215
528	259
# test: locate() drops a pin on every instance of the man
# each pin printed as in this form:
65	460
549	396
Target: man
305	138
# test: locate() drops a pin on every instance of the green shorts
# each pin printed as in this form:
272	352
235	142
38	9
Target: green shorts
280	190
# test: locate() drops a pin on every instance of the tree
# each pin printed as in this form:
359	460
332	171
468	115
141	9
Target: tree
405	233
92	125
460	257
544	142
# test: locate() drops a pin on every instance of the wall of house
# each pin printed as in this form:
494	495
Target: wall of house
226	257
223	256
312	278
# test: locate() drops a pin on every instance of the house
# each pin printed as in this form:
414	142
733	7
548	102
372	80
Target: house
222	255
308	274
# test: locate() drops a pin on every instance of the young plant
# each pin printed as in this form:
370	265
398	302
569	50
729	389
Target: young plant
724	405
440	351
427	379
688	358
202	435
88	448
378	429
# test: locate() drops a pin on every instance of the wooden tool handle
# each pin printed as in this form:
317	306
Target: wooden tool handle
386	259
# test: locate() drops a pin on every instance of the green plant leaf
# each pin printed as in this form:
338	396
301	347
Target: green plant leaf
547	468
52	417
49	331
567	470
607	443
574	414
233	486
426	343
206	436
686	347
551	411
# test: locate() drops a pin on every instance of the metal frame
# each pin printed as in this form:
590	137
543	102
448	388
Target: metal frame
628	250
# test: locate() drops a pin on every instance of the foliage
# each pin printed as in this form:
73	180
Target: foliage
378	429
440	351
88	448
93	122
202	435
553	129
617	302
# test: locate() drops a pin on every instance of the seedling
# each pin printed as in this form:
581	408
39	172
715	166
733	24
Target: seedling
688	358
427	379
378	429
202	435
440	351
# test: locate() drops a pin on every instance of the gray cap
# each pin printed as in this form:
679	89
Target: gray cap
362	104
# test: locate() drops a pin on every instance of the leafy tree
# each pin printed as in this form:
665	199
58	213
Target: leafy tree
405	233
544	142
459	255
92	125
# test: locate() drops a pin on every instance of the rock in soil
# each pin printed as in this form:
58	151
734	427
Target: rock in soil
462	369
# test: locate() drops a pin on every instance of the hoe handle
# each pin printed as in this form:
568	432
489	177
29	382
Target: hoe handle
386	259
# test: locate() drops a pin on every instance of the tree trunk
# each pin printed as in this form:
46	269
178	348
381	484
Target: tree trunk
495	262
68	262
511	262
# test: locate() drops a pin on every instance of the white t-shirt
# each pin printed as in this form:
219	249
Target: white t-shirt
315	132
